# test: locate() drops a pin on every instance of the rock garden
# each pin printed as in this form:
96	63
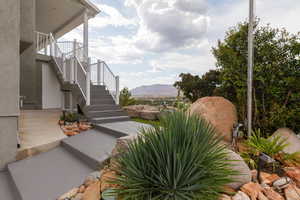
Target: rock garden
73	123
198	154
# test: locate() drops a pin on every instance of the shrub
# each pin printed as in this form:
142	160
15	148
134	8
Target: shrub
271	146
181	160
70	117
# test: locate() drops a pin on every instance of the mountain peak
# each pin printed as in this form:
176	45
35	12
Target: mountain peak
155	90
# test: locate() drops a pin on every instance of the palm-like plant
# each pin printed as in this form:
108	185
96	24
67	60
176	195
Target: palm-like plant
271	146
181	160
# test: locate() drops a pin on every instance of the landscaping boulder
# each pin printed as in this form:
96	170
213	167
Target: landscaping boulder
291	139
241	167
218	111
149	115
142	111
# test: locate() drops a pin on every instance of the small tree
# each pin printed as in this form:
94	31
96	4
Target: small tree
125	98
195	87
276	84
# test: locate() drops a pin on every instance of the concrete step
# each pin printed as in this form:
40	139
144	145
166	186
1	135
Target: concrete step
103	97
122	127
48	175
102	101
8	190
106	113
102	107
99	120
92	147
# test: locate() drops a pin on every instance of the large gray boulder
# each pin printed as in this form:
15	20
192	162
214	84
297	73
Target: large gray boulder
242	168
291	138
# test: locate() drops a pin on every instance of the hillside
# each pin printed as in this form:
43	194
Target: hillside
157	90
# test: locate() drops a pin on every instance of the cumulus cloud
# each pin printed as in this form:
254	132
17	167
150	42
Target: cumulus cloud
115	50
166	24
110	16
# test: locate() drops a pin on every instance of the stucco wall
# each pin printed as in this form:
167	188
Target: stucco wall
52	94
30	79
9	78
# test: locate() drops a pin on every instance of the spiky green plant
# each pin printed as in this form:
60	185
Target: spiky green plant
181	160
271	146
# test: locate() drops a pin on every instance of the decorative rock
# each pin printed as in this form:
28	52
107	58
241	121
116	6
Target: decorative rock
136	110
224	197
220	112
241	167
261	196
69	194
105	180
282	183
268	178
293	173
252	189
122	145
149	115
240	196
271	194
92	192
292	192
291	139
81	189
78	196
92	178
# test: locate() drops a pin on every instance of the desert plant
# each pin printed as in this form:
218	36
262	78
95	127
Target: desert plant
181	160
271	146
70	117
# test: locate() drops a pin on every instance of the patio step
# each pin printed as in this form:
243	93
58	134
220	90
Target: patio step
121	128
48	175
106	113
99	120
92	147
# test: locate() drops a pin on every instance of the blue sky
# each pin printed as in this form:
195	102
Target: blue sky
153	41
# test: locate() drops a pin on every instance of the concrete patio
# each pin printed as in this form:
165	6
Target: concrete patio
39	131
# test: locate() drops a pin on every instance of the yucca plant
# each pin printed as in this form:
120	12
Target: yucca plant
182	159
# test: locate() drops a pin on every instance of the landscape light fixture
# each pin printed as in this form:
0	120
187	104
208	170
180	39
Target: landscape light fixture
262	160
250	65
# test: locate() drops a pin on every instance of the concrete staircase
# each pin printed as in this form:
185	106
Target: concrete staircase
103	108
48	175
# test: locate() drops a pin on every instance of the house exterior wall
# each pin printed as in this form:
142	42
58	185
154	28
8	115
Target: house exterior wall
9	79
30	79
52	95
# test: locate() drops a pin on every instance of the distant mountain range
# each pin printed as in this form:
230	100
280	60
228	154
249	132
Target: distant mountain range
157	90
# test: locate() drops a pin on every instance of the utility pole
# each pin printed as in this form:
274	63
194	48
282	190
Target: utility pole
250	65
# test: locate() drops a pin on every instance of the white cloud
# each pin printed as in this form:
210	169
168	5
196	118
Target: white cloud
110	16
198	64
166	25
115	50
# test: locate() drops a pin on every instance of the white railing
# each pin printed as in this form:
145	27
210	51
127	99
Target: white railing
102	75
43	42
75	68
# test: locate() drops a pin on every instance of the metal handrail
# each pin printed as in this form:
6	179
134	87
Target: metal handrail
69	57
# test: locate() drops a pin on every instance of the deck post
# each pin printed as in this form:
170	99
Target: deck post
73	61
98	72
117	89
86	36
88	82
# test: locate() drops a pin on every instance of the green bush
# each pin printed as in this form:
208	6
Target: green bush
181	160
70	117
